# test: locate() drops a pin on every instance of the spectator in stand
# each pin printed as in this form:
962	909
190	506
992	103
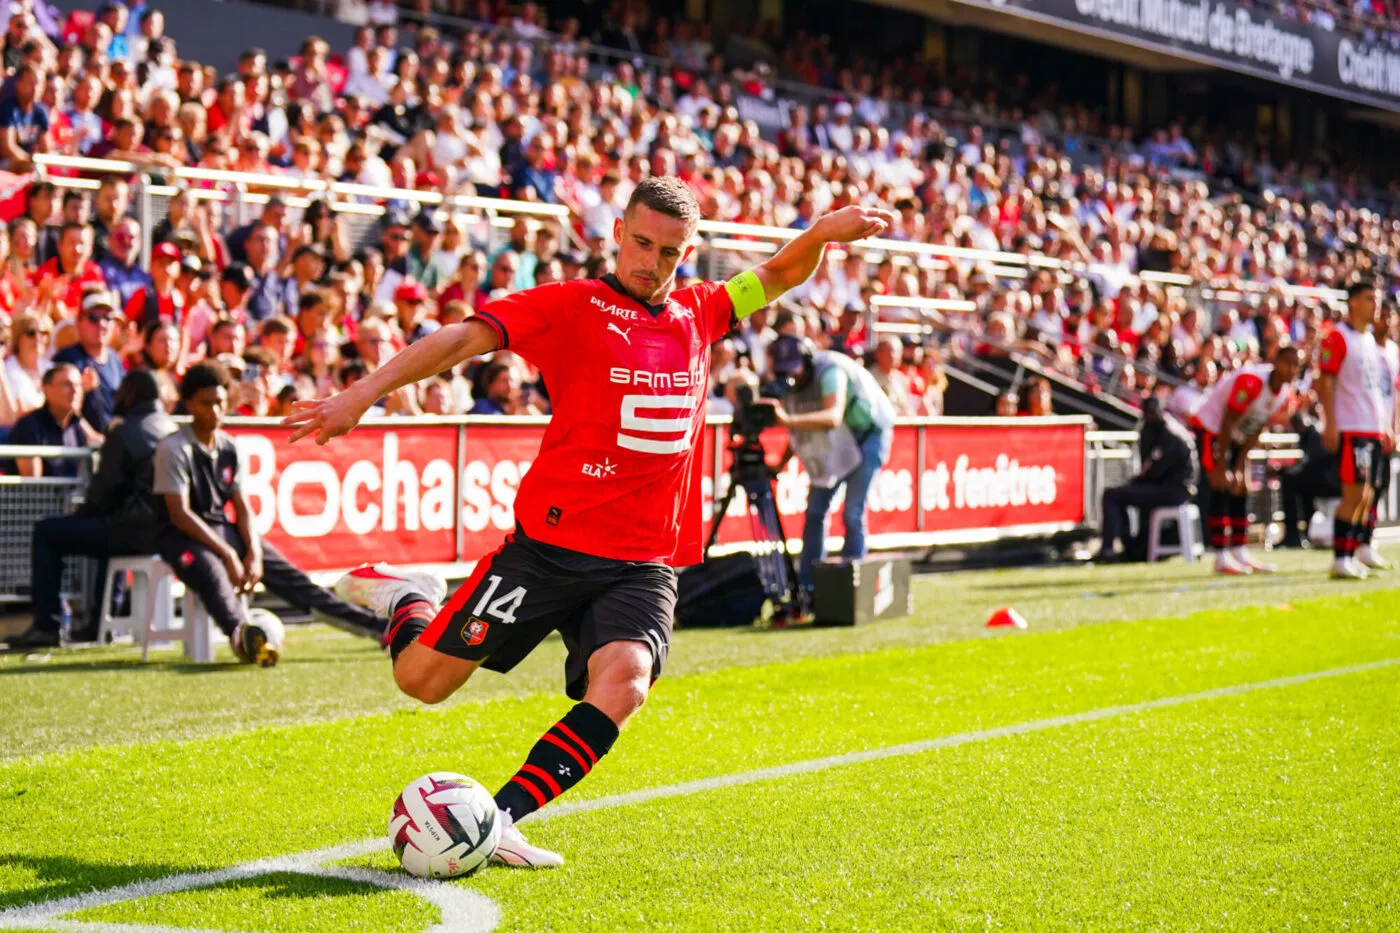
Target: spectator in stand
121	267
161	301
891	379
268	290
274	215
374	344
21	382
56	423
307	269
278	337
410	309
426	234
160	356
498	390
109	209
1040	400
101	366
24	121
62	281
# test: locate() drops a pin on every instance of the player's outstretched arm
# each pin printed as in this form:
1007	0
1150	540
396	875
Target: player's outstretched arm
438	352
794	263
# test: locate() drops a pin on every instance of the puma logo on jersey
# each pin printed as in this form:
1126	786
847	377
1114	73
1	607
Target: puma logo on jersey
621	332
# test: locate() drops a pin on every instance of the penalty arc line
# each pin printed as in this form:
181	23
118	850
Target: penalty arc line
47	914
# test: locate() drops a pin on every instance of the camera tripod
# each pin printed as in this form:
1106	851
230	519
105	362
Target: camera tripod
776	571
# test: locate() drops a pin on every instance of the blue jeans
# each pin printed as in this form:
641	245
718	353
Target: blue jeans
874	451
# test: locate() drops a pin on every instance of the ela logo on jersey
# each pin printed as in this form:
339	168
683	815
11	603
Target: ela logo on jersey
474	632
600	470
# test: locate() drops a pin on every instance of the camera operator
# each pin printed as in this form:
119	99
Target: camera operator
840	426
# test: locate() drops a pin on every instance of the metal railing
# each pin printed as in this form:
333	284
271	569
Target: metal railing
24	501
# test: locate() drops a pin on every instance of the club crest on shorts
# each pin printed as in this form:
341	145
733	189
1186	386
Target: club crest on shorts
474	631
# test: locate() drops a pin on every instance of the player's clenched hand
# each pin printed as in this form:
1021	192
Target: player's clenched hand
325	417
855	223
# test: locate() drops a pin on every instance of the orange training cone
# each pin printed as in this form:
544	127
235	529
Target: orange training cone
1006	617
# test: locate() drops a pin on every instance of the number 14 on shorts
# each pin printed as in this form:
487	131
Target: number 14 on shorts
501	608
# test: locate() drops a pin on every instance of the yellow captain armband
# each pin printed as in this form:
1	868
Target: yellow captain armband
746	292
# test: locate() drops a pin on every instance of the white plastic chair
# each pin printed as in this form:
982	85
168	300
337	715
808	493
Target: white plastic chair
153	609
1186	517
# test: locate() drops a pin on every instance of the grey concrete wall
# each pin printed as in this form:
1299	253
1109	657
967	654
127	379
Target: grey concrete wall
215	32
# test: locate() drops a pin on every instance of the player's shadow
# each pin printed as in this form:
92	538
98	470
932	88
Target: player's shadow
56	876
136	665
63	876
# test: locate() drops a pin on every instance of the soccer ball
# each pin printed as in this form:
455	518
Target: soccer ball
444	825
262	637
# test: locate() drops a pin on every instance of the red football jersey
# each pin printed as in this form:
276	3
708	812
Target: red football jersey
618	473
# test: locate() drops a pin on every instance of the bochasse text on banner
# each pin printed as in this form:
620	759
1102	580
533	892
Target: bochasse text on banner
386	492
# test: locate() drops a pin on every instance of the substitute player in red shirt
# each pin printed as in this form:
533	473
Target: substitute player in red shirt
1228	425
1359	428
611	504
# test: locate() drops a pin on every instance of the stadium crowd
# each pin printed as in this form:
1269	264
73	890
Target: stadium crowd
295	308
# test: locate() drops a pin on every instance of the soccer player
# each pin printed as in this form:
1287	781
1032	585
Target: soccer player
612	502
1228	424
1358	427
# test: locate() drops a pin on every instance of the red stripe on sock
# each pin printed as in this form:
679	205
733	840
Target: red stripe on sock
552	739
581	743
543	775
534	791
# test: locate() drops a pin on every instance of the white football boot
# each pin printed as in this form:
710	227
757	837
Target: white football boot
1348	568
1241	555
515	852
1368	556
380	587
1227	565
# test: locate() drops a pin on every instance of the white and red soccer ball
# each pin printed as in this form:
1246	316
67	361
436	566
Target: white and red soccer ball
444	825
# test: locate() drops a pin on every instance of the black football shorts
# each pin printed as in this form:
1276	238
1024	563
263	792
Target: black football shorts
1363	461
527	589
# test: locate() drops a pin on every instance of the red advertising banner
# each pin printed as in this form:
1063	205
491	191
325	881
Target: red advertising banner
378	493
387	491
999	476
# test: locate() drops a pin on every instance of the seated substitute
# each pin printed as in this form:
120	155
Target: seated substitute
198	471
1167	478
114	519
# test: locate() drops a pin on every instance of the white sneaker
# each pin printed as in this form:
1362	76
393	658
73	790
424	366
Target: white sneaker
515	852
1347	568
380	587
1227	565
1242	556
1368	556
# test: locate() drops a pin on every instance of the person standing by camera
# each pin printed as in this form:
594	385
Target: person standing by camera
840	426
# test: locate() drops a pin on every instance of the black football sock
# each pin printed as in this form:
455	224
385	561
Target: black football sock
559	760
1218	521
412	614
1342	543
1239	521
1364	533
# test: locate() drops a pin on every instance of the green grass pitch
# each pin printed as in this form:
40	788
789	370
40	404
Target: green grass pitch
1161	750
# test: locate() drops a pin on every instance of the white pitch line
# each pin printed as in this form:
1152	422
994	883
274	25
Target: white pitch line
947	741
476	916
